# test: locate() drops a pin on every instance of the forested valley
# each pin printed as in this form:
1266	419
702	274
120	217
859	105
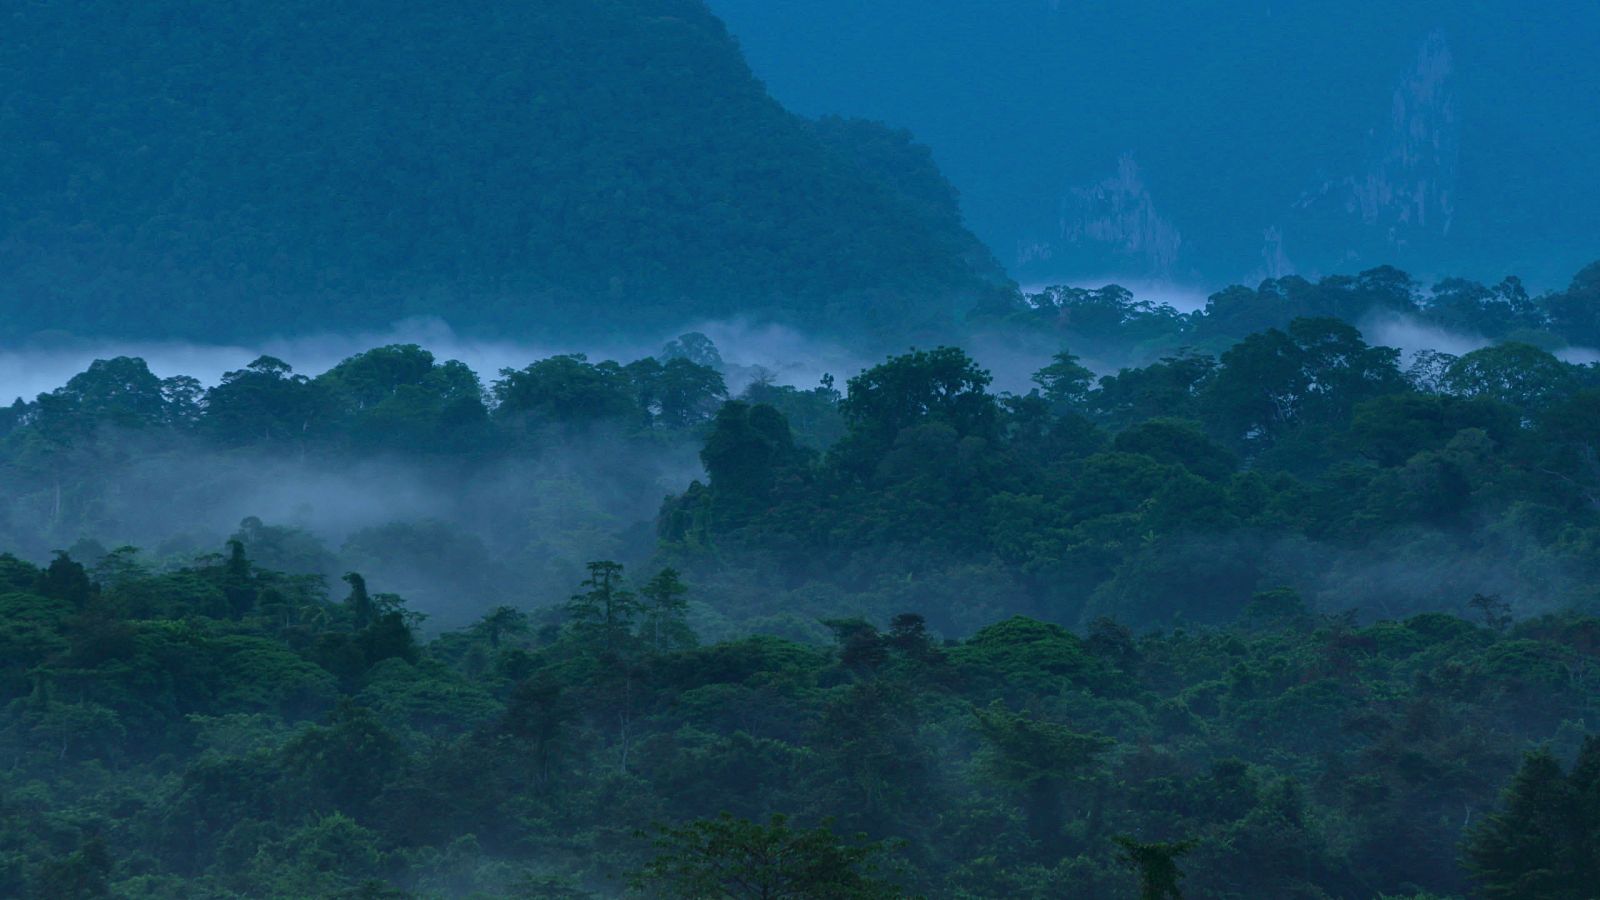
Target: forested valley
1266	610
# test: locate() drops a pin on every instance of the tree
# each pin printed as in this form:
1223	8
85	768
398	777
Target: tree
1314	373
688	393
1517	374
1543	842
331	856
738	859
120	391
908	633
693	347
367	379
665	610
185	400
1570	434
604	613
347	761
537	714
396	397
1181	442
1393	428
1036	759
1157	865
1427	370
567	390
66	579
747	447
1065	382
942	385
1468	306
237	584
861	648
1105	314
363	610
877	766
266	401
1575	312
1166	388
80	875
1496	613
502	621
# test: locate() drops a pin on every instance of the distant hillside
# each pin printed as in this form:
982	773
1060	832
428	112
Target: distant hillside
1209	143
227	169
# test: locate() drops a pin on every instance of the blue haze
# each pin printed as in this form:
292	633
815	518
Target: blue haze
1253	138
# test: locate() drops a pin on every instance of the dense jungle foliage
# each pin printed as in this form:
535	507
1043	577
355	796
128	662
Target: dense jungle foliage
1121	328
212	170
1302	619
222	730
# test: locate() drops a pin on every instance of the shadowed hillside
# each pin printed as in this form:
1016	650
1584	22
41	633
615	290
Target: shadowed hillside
226	169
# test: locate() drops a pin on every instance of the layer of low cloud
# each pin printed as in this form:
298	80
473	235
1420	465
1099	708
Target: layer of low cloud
750	350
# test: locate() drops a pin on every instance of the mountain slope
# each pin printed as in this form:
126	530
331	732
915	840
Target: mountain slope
1214	142
229	168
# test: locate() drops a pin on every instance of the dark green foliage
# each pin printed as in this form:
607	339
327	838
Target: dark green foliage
1169	387
1469	307
549	463
1543	841
294	746
566	389
1124	330
348	761
241	170
747	448
1518	375
1037	760
397	398
1304	458
1393	428
265	402
1065	382
1176	441
1294	606
80	875
1107	315
664	608
1314	374
65	579
742	860
1157	865
813	414
603	615
940	386
503	622
1576	312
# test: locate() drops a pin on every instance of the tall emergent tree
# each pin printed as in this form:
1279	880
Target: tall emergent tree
1545	842
737	859
604	612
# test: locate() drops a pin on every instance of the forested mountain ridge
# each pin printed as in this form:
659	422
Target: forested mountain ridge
218	170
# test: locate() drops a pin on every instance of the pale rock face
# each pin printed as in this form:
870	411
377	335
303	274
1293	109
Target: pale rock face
1404	195
1275	263
1412	186
1116	217
1407	192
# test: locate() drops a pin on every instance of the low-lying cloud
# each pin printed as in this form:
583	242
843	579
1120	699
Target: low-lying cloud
750	350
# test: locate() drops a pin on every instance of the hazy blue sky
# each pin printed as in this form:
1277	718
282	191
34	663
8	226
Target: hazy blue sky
1237	117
